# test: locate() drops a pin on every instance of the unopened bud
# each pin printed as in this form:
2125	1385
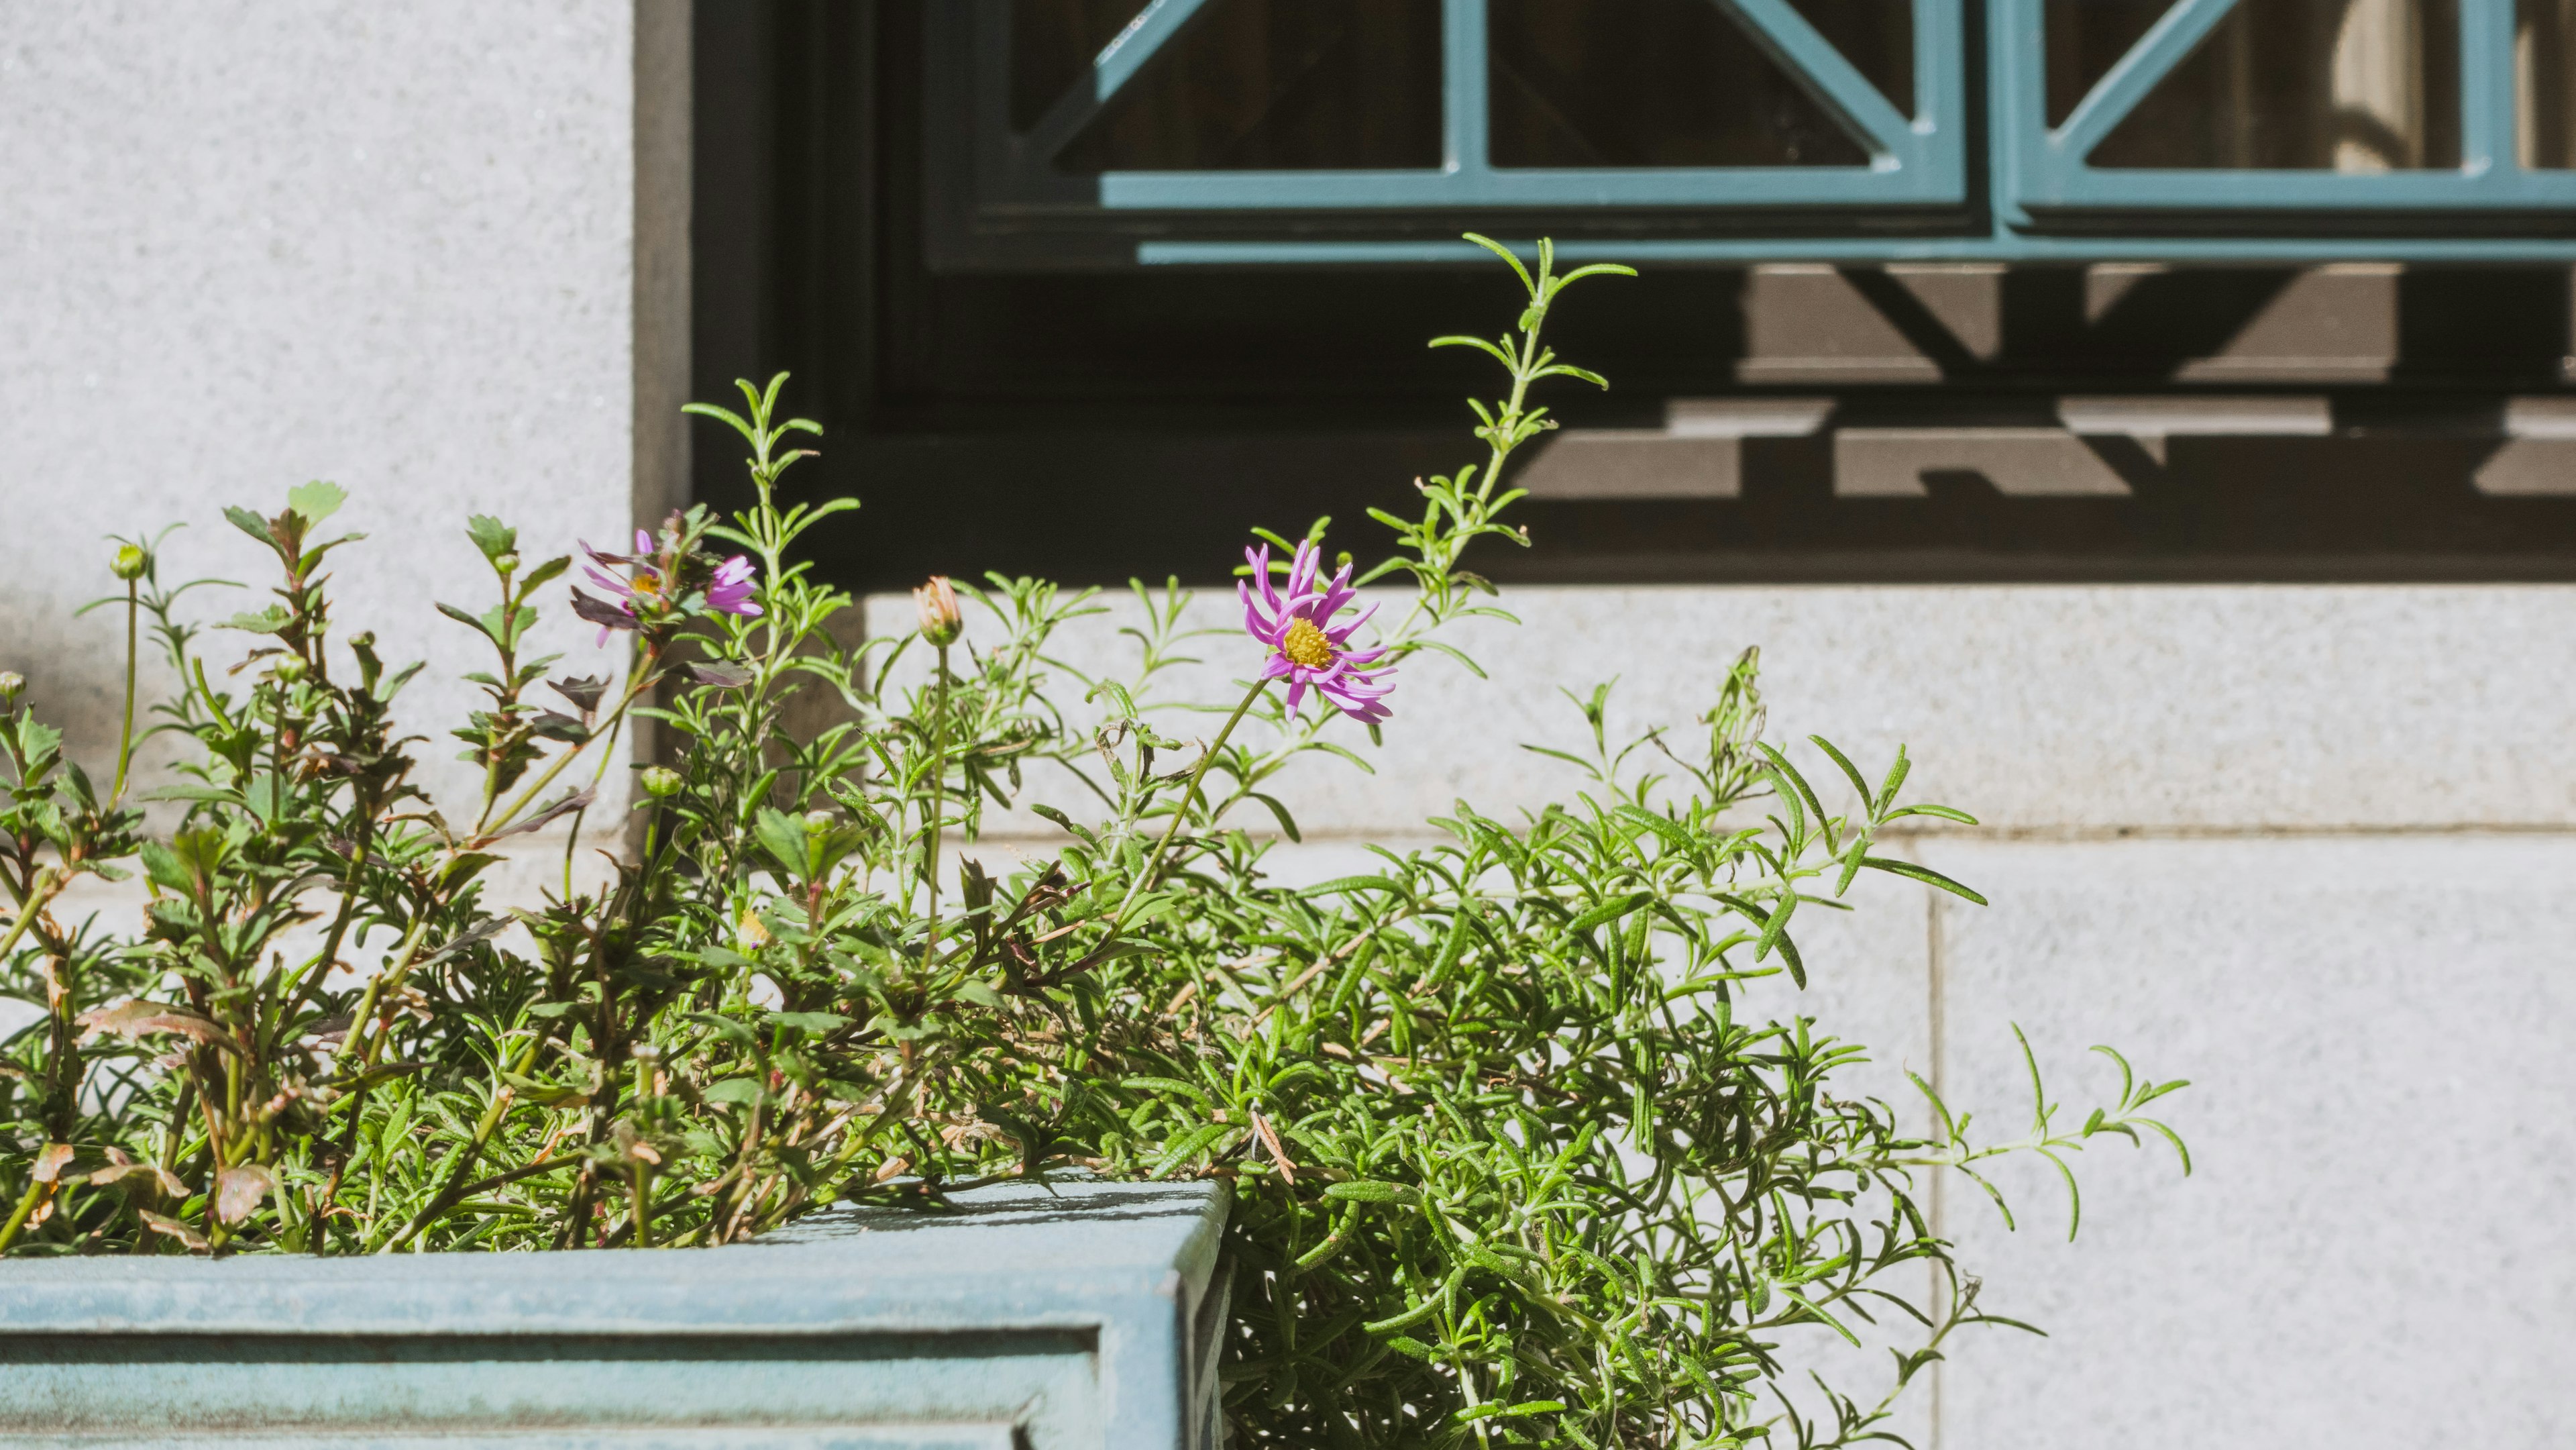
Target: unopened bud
507	563
940	622
130	563
818	822
11	684
659	781
289	668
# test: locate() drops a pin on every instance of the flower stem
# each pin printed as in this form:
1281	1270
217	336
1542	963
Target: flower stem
938	780
1181	813
125	737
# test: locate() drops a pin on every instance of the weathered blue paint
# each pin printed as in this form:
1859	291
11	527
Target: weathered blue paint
1083	1319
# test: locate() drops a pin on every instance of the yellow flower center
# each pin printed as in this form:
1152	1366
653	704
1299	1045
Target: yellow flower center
646	584
1306	645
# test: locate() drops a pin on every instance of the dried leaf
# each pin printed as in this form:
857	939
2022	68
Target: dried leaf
164	1223
240	1189
49	1163
1278	1153
170	1183
136	1018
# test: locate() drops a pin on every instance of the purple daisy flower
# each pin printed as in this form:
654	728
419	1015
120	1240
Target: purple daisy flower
1306	647
729	589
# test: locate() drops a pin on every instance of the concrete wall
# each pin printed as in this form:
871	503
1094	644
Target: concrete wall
2307	847
391	245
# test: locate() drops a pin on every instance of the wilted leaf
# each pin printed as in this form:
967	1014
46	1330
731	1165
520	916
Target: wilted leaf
169	1182
240	1190
135	1018
49	1163
164	1223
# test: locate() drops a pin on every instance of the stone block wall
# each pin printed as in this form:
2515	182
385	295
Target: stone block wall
394	246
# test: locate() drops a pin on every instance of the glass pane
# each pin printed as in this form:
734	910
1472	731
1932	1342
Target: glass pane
1646	83
1274	85
2544	62
1052	45
1876	36
2085	39
2313	85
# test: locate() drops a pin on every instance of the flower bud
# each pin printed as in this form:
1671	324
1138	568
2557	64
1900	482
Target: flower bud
507	563
659	781
940	622
11	683
818	822
288	669
130	563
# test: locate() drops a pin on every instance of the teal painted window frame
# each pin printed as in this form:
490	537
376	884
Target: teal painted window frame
2029	196
2044	178
1918	160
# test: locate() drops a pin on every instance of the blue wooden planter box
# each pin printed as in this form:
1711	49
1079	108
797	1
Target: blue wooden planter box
1087	1317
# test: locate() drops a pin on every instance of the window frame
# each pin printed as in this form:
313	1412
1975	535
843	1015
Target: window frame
1916	162
2048	185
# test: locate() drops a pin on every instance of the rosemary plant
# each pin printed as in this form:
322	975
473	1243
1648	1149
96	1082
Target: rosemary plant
1509	1165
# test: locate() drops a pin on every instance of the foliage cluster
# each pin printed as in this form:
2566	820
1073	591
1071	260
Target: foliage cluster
1509	1165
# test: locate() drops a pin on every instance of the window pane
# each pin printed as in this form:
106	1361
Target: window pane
1263	85
2085	38
1052	45
1876	36
1646	83
2321	85
2544	55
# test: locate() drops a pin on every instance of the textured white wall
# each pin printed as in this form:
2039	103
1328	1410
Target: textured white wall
245	245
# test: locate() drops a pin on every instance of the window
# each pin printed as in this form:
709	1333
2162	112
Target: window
2229	344
1139	126
1120	132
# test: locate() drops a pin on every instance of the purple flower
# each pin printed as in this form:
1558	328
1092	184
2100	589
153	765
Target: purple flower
728	589
1306	647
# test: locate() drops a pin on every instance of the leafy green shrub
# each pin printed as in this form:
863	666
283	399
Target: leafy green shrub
1509	1168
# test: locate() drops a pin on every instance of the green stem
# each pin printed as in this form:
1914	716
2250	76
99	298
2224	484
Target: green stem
27	1202
635	682
125	737
1181	814
938	779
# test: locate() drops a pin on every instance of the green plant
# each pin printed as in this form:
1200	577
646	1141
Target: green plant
1509	1166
